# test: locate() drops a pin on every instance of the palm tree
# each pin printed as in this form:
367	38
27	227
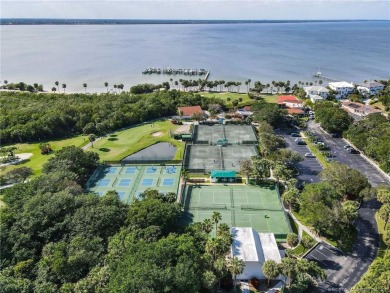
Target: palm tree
236	266
85	87
115	87
320	82
57	84
64	87
216	217
207	226
53	89
106	85
212	247
247	87
271	270
249	82
176	83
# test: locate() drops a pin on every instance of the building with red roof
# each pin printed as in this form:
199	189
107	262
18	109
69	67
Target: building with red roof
188	112
289	102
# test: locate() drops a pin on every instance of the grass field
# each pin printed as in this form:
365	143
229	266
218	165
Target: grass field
235	96
37	160
381	230
126	142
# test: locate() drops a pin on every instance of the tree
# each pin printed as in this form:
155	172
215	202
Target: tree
384	213
292	239
92	138
106	85
207	226
246	168
85	87
386	236
53	89
271	270
383	194
58	86
291	197
348	182
18	175
73	159
235	266
215	218
64	87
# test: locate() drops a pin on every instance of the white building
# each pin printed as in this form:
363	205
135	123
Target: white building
370	88
342	88
316	98
254	249
316	91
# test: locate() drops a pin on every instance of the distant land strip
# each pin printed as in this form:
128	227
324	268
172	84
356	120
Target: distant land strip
58	21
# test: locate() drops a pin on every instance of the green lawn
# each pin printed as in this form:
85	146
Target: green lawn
234	96
37	160
381	230
124	143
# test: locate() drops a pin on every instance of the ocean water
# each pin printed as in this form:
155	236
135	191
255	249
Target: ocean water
94	54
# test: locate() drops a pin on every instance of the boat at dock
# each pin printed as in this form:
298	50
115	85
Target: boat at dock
168	70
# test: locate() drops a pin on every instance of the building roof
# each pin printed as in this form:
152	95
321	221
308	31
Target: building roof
316	88
295	111
250	246
191	110
371	84
340	84
316	97
288	99
223	174
360	108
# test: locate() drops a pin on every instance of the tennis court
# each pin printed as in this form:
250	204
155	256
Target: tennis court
235	134
240	206
131	180
205	158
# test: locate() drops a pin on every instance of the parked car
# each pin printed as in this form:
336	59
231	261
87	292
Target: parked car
298	139
309	155
301	142
353	151
347	147
294	134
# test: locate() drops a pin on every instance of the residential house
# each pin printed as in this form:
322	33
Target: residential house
342	88
316	93
359	110
370	88
254	249
292	104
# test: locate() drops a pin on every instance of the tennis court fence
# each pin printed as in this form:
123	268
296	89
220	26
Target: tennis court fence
209	207
252	207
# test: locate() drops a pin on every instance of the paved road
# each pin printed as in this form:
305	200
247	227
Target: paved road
344	271
309	167
354	161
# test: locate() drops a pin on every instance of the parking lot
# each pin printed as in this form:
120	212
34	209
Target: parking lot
309	167
354	161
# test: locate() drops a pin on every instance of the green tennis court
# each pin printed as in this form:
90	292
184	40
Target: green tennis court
240	206
132	180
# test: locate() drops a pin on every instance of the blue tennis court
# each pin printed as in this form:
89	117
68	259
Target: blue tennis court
130	170
124	182
112	170
147	182
151	170
121	194
168	182
170	170
103	182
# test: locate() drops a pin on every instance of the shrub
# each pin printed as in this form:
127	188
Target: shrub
307	241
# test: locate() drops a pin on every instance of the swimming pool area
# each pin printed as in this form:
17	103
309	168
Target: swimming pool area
129	181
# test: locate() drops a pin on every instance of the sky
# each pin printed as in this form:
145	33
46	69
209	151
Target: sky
197	9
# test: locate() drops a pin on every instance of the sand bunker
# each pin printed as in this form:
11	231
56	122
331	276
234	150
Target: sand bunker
158	133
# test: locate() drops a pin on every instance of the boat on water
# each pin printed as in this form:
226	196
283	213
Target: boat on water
318	73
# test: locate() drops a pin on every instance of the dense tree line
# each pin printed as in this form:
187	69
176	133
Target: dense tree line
372	136
332	117
330	206
27	117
